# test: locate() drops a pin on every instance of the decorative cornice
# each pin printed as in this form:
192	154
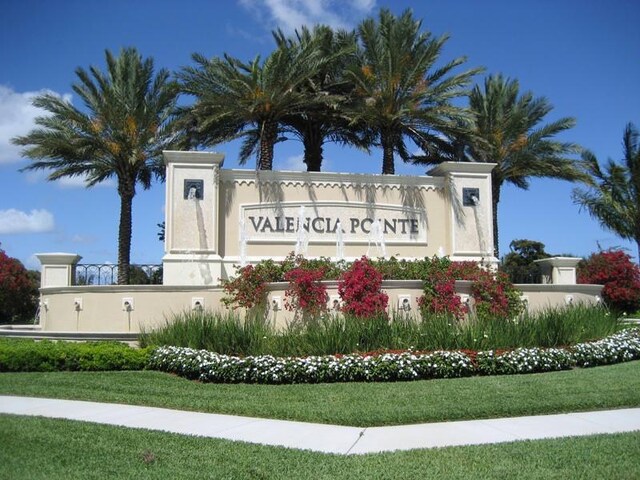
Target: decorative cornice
191	157
330	179
454	168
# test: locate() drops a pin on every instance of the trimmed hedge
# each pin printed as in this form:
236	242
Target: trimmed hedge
21	355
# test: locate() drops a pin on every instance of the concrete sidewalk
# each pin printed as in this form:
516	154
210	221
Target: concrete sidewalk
329	438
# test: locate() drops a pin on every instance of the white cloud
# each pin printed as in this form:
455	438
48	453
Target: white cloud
32	263
80	181
17	221
17	117
83	239
292	14
295	164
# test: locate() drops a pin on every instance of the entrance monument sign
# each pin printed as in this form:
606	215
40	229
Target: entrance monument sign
234	217
217	219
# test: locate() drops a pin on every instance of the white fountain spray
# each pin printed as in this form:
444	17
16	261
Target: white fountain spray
243	243
339	242
302	237
479	217
376	236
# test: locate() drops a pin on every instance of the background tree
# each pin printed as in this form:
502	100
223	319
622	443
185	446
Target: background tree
121	133
399	91
328	91
508	130
18	291
519	262
612	195
234	99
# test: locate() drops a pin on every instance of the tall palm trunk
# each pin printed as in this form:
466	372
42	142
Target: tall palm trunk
388	165
126	190
268	137
313	148
495	200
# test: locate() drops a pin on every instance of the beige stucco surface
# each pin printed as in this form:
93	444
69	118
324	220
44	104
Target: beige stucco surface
247	216
103	311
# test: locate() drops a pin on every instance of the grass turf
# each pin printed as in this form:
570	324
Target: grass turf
37	448
355	404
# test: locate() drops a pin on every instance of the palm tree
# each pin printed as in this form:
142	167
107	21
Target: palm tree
400	92
121	133
328	92
508	131
250	100
613	194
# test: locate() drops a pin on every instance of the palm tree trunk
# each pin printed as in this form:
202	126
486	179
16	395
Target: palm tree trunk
388	166
313	149
126	190
495	199
268	137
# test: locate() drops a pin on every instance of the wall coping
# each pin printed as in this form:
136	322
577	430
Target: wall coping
563	288
462	167
179	156
58	258
559	261
128	288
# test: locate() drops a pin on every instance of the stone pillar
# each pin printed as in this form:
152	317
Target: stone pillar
192	254
470	216
559	270
58	269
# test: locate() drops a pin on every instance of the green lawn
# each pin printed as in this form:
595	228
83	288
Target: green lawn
36	448
355	404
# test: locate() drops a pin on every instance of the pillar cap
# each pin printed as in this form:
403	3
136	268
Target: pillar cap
58	258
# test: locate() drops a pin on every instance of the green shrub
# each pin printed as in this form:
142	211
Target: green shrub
20	355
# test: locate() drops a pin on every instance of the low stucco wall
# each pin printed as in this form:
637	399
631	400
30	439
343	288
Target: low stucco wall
539	297
103	308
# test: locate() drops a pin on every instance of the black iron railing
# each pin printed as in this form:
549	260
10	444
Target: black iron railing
107	274
530	278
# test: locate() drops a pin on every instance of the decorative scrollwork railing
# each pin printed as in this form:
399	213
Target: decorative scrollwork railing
107	274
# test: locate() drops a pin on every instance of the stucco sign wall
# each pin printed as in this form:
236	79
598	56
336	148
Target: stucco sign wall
217	219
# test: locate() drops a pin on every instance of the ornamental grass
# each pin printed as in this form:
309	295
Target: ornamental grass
231	333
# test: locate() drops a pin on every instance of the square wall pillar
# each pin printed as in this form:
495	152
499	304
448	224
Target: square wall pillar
192	251
470	211
559	270
58	269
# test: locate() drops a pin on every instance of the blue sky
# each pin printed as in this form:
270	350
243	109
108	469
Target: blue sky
583	55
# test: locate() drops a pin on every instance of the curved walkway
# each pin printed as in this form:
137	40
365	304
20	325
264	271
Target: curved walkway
329	438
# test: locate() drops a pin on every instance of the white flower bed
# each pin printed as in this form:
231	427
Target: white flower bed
212	367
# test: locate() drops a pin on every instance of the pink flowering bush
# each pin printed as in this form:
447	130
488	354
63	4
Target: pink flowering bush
360	288
249	288
493	293
306	294
619	275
